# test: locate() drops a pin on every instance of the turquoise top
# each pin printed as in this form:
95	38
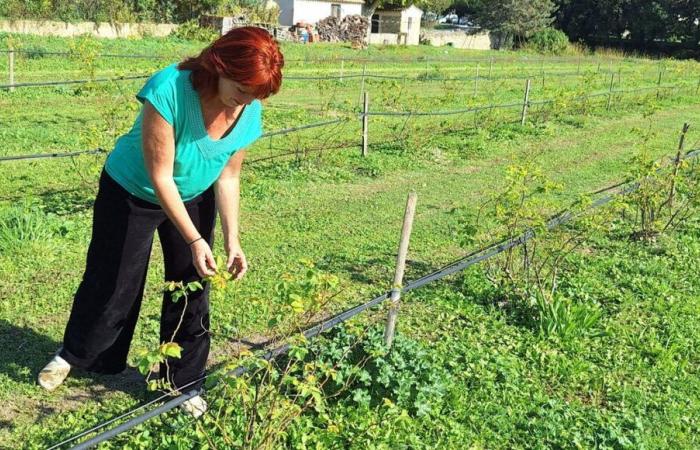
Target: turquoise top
199	159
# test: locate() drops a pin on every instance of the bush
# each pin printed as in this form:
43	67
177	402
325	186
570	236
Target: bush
191	31
549	40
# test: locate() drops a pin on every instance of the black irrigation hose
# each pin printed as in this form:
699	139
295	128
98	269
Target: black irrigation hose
101	55
458	265
52	155
60	83
302	127
100	150
418	59
512	105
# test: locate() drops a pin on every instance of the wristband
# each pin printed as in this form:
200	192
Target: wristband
195	241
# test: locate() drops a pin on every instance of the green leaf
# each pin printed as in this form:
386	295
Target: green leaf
171	349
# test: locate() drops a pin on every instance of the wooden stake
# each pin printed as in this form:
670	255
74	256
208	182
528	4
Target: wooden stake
365	123
11	56
490	66
578	66
362	83
400	267
658	83
677	164
610	91
342	69
526	100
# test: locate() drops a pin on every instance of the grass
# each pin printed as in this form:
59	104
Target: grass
513	388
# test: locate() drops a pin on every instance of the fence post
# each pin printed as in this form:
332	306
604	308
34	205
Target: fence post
342	69
11	57
362	83
658	83
526	100
400	266
610	91
365	122
676	164
490	66
476	80
578	66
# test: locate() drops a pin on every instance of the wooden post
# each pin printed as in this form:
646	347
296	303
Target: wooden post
490	66
526	100
11	56
476	80
362	83
342	69
598	69
677	164
658	83
400	267
610	91
365	123
578	66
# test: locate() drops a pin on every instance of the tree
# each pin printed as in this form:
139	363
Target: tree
515	20
436	6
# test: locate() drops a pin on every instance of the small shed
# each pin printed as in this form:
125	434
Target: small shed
311	11
396	26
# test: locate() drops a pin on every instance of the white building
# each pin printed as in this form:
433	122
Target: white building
396	26
311	11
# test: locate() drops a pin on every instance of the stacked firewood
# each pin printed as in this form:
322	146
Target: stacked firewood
350	29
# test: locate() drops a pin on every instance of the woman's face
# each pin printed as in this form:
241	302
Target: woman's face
233	94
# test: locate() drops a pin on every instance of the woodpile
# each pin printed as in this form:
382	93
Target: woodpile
350	29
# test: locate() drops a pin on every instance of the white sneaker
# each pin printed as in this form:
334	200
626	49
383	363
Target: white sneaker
196	406
54	373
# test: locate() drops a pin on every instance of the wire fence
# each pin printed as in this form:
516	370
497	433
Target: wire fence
458	265
356	59
366	113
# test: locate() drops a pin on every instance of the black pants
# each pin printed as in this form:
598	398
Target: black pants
108	300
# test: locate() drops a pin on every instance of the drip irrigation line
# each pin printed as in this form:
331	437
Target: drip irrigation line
511	105
53	155
60	83
458	265
99	55
302	127
100	150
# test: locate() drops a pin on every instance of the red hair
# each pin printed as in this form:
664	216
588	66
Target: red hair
246	55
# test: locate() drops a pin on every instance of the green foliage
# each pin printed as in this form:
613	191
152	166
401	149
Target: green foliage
22	224
191	31
515	19
548	40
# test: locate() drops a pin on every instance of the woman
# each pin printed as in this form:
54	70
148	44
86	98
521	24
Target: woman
178	165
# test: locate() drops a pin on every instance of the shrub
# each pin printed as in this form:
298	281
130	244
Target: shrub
549	40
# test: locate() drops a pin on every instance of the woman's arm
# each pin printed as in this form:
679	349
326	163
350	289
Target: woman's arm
159	157
227	189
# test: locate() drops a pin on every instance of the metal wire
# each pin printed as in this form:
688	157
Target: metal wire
61	83
458	265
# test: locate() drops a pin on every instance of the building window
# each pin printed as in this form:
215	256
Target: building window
375	23
335	10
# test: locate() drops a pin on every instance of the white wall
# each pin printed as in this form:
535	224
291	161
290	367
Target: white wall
459	39
312	11
286	12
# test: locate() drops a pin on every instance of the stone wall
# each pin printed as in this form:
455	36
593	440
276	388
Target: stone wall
102	29
459	38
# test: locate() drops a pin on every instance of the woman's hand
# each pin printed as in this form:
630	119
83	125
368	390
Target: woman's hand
202	258
236	262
